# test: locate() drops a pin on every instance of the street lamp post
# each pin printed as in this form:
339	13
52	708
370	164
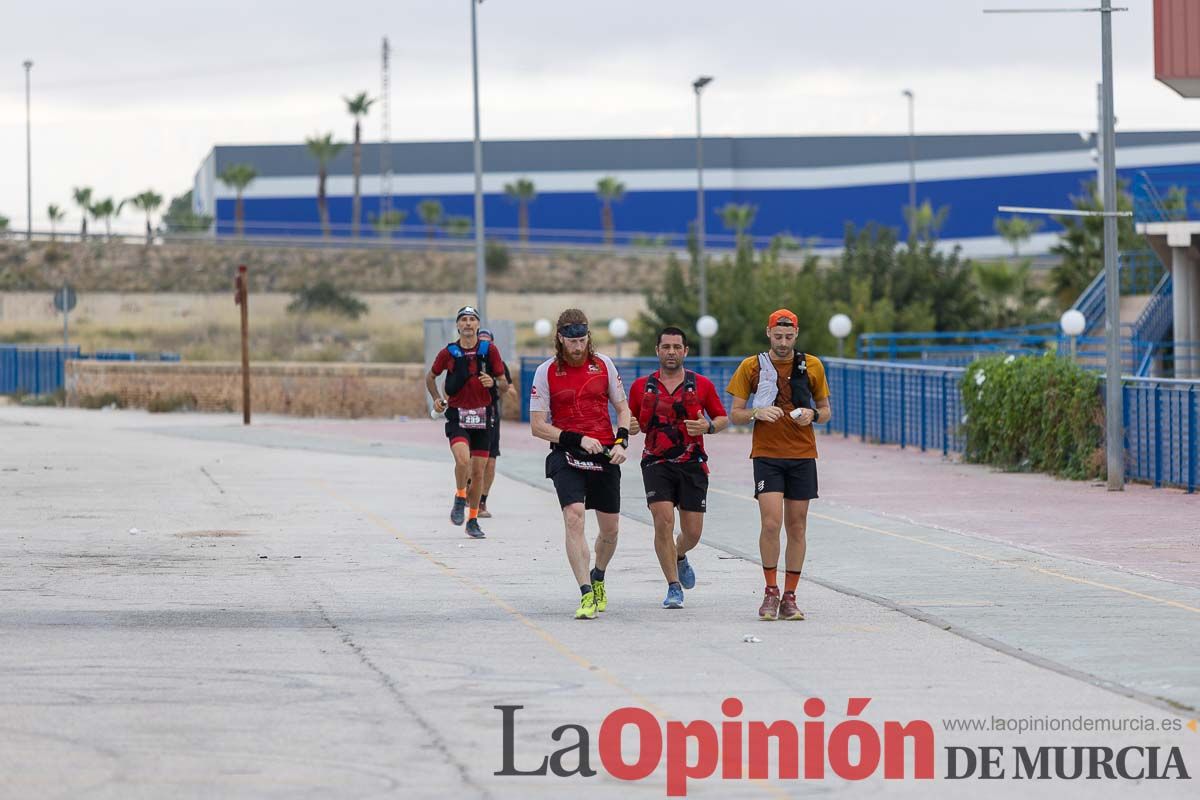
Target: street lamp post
542	329
480	263
707	327
698	86
1114	444
28	64
618	328
1073	323
840	327
912	162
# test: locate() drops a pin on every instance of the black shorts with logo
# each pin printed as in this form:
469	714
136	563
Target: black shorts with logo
683	485
479	440
795	477
598	489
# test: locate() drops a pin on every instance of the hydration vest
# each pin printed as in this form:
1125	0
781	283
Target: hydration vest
458	375
798	381
664	436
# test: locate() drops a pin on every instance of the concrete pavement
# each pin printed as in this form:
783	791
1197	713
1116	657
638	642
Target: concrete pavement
192	609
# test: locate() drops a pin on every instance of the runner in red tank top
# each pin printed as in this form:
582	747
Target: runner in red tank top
568	407
669	407
475	372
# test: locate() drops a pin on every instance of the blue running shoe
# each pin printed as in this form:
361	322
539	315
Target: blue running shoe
674	596
687	575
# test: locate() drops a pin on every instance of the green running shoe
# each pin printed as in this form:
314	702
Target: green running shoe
587	606
601	595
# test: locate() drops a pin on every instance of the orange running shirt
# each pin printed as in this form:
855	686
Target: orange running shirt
782	438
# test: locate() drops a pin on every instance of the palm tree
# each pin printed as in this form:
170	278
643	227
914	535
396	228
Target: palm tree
55	215
324	149
521	192
358	106
387	222
458	227
83	199
238	177
1017	230
431	213
105	210
739	218
609	190
148	201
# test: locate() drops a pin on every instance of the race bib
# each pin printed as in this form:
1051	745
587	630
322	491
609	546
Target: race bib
474	419
579	463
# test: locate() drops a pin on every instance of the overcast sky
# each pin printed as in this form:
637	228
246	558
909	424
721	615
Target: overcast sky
129	96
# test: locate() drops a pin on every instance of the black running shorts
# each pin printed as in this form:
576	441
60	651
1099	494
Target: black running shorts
795	477
596	489
478	439
683	485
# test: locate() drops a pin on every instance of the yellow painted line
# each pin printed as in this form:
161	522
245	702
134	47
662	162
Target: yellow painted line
544	634
982	557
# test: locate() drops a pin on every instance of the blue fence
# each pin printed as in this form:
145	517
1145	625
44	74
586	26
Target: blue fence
33	370
919	405
1161	422
39	369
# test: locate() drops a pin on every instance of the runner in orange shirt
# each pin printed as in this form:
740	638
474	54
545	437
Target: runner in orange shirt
784	392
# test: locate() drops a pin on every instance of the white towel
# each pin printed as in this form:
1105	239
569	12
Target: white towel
768	383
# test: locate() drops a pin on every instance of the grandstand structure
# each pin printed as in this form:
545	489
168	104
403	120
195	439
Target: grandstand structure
807	187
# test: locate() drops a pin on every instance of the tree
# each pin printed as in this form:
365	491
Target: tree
609	190
238	177
181	218
1080	246
3	224
1016	231
738	218
1009	296
324	149
83	198
924	224
431	213
148	202
357	106
56	215
458	227
387	222
105	210
521	192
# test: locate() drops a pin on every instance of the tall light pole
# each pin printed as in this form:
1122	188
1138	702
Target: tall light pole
912	162
480	264
28	159
1113	406
698	86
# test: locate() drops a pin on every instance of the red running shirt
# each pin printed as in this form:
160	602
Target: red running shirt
577	398
657	444
473	394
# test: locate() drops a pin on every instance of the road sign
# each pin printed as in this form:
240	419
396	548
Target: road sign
64	299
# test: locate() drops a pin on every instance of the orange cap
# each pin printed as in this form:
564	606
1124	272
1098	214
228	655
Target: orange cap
783	317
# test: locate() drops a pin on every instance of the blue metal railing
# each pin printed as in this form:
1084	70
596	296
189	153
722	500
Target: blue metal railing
33	370
1162	442
1165	194
41	369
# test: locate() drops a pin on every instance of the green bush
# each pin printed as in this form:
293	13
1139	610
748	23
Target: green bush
325	296
161	404
496	256
101	400
1034	414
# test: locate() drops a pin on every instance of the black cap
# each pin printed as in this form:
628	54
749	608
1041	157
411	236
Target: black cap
466	311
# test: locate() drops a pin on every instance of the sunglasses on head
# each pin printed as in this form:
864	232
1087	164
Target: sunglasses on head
576	330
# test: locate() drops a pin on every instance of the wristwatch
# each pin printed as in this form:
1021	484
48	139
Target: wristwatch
816	415
711	428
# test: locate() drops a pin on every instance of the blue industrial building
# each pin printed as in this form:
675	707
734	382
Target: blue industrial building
806	186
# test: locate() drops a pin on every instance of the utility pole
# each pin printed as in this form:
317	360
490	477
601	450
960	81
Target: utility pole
480	263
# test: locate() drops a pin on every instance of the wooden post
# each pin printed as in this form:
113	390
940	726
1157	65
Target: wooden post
241	292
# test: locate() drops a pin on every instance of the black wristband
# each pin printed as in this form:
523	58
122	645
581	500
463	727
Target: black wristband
816	416
711	428
570	439
622	438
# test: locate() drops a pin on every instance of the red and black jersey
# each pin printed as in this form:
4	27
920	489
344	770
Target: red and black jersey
577	397
661	414
472	394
